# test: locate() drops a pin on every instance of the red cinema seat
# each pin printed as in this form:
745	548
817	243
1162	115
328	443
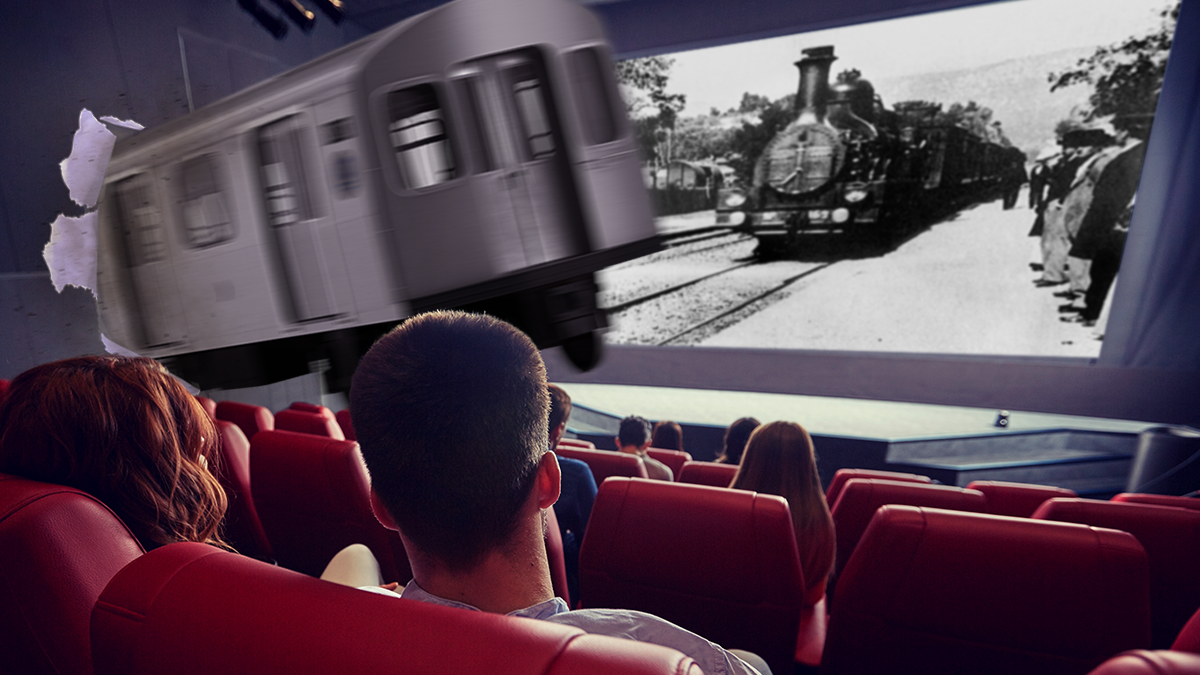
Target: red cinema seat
305	422
842	475
347	425
1188	639
242	526
707	473
1171	538
191	609
1160	500
250	418
1144	662
860	497
605	463
577	443
1019	500
313	498
304	406
939	592
209	405
674	459
58	548
721	563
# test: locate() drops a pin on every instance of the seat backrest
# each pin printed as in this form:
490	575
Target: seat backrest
842	475
860	497
721	563
305	406
242	526
1145	662
605	463
707	473
313	498
930	590
3	389
1019	500
190	609
58	548
1171	538
209	405
1188	639
347	425
1161	500
304	422
577	443
250	418
674	459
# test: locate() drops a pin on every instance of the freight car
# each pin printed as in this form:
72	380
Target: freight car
846	164
474	156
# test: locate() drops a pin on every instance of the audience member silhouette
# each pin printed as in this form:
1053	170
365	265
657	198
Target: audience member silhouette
574	505
667	435
451	410
780	460
633	438
735	440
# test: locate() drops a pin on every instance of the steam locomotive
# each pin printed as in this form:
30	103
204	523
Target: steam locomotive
847	164
475	156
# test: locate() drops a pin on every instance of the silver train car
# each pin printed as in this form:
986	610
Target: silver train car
475	156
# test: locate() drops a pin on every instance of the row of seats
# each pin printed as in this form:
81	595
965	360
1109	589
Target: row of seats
1002	582
300	417
606	463
299	498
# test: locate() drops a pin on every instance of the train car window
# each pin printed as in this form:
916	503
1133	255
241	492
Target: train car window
337	131
206	220
470	88
141	222
532	109
418	132
591	95
285	178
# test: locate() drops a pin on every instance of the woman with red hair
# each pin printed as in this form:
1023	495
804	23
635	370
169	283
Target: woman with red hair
126	432
780	460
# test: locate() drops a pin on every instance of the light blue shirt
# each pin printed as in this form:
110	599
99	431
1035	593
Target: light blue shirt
620	623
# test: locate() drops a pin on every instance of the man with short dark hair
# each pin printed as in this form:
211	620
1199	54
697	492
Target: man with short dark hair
574	505
451	413
633	438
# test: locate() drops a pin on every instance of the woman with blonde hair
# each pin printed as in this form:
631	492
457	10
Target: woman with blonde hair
780	460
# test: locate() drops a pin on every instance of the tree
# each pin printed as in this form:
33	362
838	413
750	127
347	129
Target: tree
653	110
1126	77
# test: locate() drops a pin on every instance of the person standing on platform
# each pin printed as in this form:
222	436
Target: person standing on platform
1103	230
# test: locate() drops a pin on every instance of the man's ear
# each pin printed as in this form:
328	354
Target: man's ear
381	513
549	481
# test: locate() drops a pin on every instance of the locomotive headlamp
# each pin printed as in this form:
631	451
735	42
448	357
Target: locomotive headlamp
733	199
840	215
855	195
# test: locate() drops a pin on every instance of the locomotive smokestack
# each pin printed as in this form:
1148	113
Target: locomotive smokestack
813	95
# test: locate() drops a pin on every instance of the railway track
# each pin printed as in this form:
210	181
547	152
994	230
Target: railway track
686	293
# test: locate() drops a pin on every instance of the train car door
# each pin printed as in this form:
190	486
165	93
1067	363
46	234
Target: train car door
296	214
522	160
151	279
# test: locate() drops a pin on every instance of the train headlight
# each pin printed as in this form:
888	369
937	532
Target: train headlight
840	215
855	196
737	218
733	200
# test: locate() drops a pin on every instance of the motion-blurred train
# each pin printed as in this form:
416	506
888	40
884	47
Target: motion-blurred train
847	164
473	156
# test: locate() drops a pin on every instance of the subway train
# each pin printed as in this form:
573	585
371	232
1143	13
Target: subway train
463	158
848	164
927	590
